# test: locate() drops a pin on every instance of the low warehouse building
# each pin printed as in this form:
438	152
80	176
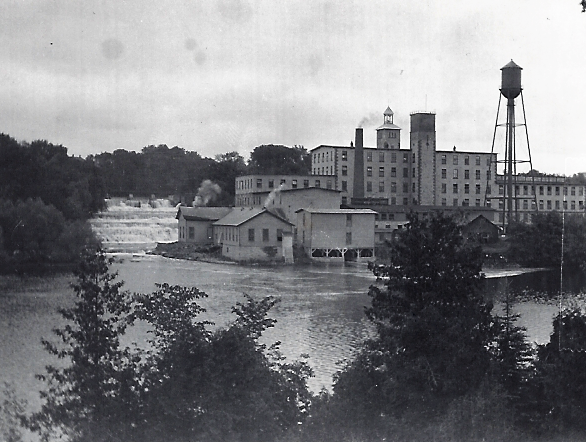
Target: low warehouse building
252	234
195	223
344	234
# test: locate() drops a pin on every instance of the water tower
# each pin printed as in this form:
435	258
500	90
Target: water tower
510	195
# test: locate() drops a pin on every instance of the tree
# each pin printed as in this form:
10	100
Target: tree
433	326
92	396
33	233
192	383
12	414
220	385
540	244
560	380
270	159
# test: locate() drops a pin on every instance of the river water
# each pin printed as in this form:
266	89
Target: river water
320	313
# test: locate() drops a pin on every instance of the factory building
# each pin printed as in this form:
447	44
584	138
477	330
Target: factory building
546	193
392	180
418	176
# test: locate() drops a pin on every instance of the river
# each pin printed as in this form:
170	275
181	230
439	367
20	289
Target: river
320	313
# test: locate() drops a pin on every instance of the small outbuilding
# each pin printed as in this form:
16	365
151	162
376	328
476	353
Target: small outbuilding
195	223
481	230
253	234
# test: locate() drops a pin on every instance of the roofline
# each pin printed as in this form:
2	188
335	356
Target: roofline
264	210
260	192
366	211
466	151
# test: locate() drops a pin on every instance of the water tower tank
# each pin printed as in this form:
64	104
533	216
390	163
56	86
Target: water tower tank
511	80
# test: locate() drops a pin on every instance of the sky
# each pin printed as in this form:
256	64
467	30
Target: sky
217	76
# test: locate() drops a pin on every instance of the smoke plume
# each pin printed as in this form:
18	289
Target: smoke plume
272	195
369	120
207	192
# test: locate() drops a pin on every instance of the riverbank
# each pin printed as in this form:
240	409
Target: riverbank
213	254
190	252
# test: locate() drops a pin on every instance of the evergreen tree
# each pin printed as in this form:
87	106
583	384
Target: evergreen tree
205	386
560	379
92	395
434	328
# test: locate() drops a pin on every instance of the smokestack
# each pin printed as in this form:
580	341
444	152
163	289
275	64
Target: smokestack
358	188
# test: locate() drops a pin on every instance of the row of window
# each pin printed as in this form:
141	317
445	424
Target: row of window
381	187
244	184
381	172
477	188
455	159
381	156
384	216
455	174
265	235
465	202
543	190
322	157
549	204
326	170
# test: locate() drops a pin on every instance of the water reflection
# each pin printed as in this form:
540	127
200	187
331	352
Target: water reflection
536	298
320	313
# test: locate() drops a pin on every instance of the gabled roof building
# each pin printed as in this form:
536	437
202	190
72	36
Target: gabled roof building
252	234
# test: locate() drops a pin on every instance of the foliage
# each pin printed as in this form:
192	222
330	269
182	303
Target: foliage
433	334
192	383
220	385
161	171
12	414
35	233
46	196
540	244
560	380
512	365
270	159
44	170
94	396
433	324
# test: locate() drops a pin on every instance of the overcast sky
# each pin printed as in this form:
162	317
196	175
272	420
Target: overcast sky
227	75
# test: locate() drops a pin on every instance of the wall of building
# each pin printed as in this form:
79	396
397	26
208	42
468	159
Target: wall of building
252	190
386	173
197	232
549	193
463	178
330	230
291	201
237	243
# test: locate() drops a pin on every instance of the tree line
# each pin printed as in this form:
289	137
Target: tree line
442	364
163	171
47	195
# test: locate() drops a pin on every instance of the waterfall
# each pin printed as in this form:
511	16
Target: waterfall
134	226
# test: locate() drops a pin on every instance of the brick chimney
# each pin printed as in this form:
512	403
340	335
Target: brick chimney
358	188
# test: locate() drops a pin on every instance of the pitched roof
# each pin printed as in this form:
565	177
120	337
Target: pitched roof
388	126
338	211
511	65
202	213
239	216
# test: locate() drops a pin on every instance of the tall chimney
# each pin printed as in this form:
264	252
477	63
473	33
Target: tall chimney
358	188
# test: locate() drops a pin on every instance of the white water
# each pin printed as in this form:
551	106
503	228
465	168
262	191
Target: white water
124	228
